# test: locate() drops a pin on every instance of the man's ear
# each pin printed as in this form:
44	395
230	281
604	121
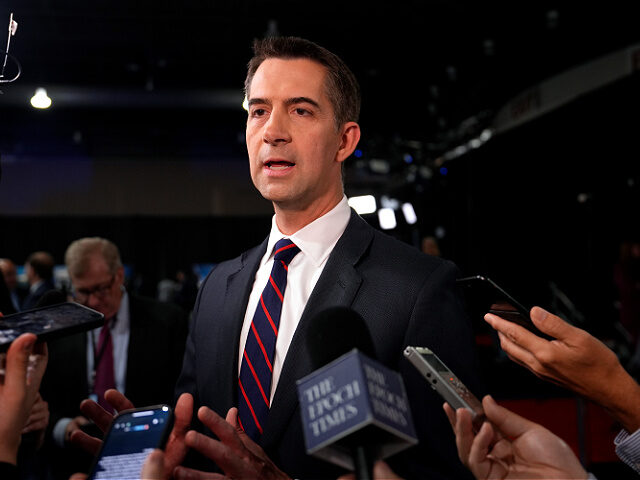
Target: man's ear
348	140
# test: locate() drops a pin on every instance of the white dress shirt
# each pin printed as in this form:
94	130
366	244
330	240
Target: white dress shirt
316	241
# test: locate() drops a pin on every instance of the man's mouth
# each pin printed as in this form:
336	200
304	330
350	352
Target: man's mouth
278	164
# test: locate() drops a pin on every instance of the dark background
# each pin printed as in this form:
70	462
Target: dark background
144	143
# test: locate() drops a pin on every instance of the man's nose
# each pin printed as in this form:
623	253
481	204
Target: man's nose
276	129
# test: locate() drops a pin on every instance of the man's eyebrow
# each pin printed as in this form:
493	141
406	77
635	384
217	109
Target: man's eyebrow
296	100
288	101
255	101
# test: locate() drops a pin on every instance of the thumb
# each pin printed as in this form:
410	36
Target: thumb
550	324
17	363
153	467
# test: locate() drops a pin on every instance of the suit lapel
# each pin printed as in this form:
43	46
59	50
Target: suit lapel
239	285
337	286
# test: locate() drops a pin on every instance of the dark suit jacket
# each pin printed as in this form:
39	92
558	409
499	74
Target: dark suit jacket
405	298
31	300
154	360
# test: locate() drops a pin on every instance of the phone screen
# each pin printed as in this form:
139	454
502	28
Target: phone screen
132	436
48	322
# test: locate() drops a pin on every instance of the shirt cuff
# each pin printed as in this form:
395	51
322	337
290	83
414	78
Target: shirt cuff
59	430
628	448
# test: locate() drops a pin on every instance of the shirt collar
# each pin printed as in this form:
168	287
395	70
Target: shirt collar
317	239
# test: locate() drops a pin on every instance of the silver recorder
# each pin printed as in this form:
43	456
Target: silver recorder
443	381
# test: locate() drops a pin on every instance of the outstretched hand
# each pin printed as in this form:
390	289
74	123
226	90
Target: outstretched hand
509	446
575	360
235	453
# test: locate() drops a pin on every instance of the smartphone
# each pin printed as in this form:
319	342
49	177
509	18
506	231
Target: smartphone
48	322
131	437
443	381
483	295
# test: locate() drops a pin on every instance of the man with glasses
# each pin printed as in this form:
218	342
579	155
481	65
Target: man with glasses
139	350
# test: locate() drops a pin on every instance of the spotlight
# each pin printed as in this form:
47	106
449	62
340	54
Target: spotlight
387	218
40	99
363	204
409	213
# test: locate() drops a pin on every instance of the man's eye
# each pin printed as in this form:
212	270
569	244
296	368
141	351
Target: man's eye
258	112
302	111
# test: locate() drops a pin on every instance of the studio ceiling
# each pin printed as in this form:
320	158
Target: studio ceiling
425	66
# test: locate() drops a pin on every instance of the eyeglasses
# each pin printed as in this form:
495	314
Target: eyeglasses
100	291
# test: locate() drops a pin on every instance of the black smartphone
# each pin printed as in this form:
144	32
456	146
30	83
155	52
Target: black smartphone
49	322
131	437
443	381
483	295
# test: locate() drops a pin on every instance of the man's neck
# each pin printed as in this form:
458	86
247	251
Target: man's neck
289	221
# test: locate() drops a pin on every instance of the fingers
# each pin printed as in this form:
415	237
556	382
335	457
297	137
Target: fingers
223	430
479	448
96	413
85	442
382	470
17	363
78	476
551	324
37	365
153	468
516	341
217	451
176	449
451	415
117	400
182	413
464	434
183	473
509	423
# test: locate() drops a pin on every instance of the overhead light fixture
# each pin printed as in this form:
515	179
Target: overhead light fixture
363	204
40	99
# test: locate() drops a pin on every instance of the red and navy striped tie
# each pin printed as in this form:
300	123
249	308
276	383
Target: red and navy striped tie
254	383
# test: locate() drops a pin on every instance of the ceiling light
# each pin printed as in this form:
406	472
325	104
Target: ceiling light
40	99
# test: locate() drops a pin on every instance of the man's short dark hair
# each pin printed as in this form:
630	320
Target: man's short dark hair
42	264
342	87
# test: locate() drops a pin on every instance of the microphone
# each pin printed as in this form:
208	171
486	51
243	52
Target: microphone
51	297
354	409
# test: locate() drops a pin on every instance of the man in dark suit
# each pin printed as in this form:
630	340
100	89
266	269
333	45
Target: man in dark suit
39	271
303	105
145	353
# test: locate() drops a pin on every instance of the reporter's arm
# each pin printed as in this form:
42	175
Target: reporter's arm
575	360
25	365
509	446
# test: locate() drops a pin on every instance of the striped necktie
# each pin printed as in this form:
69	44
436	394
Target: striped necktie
254	383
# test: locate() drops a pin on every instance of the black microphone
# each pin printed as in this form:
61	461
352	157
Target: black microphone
336	331
354	409
51	297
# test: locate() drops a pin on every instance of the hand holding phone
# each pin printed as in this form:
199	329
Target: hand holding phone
131	437
48	322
